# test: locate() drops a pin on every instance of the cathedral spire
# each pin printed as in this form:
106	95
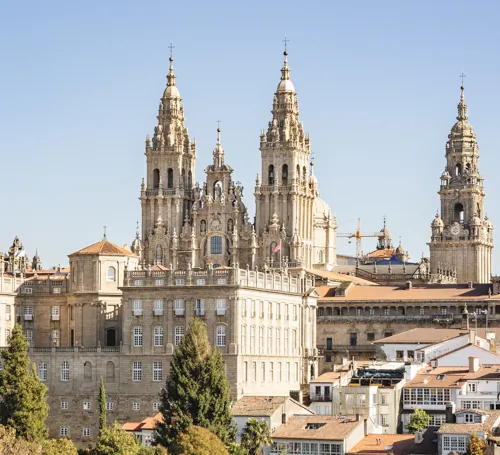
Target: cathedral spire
285	84
462	106
218	152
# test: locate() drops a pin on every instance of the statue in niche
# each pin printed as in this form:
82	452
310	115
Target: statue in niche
203	226
230	225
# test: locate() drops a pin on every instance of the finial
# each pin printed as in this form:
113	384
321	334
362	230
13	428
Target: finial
104	228
462	107
171	47
462	76
137	230
286	41
171	75
218	132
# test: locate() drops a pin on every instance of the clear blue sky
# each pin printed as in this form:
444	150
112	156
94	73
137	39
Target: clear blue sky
378	84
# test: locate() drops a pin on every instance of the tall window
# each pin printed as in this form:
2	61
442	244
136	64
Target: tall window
245	371
254	371
138	336
137	371
244	339
158	307
179	307
158	336
54	312
261	340
296	371
294	339
42	371
221	335
285	350
87	371
271	371
252	339
284	174
200	307
54	337
278	340
216	245
220	305
157	371
270	310
278	372
170	178
111	274
288	371
28	334
270	173
263	371
65	371
179	334
156	178
269	340
137	307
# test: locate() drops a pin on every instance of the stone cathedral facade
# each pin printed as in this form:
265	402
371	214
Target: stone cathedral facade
462	236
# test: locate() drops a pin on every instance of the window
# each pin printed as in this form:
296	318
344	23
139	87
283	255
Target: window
454	444
422	311
156	406
400	355
329	343
157	371
387	334
295	312
138	336
216	245
427	396
201	281
54	313
42	371
109	406
472	387
270	174
64	405
220	307
179	334
54	337
200	307
437	420
110	371
278	340
243	339
383	399
370	336
86	432
245	371
353	339
138	282
278	371
254	371
384	420
7	335
87	371
220	339
372	311
469	418
271	371
158	307
252	339
278	311
137	307
287	311
252	308
296	371
387	311
288	371
270	310
179	307
410	354
261	340
65	371
243	307
269	340
158	336
263	371
294	340
86	405
137	371
28	334
111	274
136	406
28	313
7	312
63	431
285	346
443	310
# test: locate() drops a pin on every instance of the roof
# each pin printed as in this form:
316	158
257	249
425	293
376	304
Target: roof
424	335
330	376
335	276
257	406
383	253
445	292
332	428
468	428
105	248
149	423
397	444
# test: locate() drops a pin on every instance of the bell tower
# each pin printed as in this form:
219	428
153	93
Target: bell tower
462	237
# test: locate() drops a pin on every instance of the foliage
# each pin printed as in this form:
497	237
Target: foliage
419	421
198	441
477	446
196	391
102	406
236	449
255	436
114	440
157	450
9	445
61	446
23	406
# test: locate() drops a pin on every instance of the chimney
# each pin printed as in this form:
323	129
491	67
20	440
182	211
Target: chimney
472	336
470	285
358	417
473	364
450	412
408	285
283	418
419	437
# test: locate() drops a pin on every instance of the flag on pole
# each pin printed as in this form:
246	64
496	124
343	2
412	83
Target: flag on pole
277	247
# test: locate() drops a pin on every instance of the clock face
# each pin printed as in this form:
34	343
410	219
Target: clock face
455	229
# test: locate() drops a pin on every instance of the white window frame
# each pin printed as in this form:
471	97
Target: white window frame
87	405
243	339
179	307
269	340
64	405
261	340
137	307
200	307
137	334
158	307
472	387
86	432
179	334
112	276
252	339
137	371
65	371
220	307
263	371
220	335
109	405
136	406
28	313
157	371
42	371
63	431
158	337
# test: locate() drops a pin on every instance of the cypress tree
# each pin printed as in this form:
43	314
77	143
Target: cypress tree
102	406
23	406
196	390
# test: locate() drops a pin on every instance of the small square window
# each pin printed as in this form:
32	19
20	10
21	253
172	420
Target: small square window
109	406
64	405
86	405
86	432
63	431
136	406
156	406
370	336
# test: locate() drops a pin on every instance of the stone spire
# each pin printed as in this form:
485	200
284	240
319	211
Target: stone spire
462	106
218	153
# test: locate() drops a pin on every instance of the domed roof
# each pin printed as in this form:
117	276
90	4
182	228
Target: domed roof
286	86
136	244
321	209
437	221
462	128
400	249
171	92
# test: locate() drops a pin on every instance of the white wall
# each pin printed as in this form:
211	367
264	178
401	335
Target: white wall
438	349
461	358
390	349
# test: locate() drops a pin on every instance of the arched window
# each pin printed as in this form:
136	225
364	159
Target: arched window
220	339
158	336
183	177
87	371
284	174
320	256
216	245
458	170
110	371
156	178
111	337
42	371
298	172
270	174
111	274
190	179
170	178
138	336
304	173
65	371
179	334
459	213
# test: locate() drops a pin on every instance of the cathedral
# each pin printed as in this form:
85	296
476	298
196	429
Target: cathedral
191	224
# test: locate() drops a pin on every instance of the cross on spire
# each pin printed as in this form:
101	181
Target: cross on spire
218	124
462	76
171	47
286	41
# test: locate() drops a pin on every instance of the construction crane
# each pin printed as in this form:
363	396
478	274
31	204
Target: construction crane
358	236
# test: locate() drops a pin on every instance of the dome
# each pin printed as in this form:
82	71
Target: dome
437	221
321	209
313	180
462	128
136	244
487	223
400	249
286	86
171	92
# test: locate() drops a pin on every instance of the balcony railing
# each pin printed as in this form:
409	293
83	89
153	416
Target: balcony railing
449	318
55	317
220	311
28	317
320	397
158	311
200	311
179	312
137	312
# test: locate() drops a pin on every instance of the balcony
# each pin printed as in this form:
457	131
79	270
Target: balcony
320	397
347	347
179	312
220	311
28	317
200	312
158	312
137	312
437	318
55	317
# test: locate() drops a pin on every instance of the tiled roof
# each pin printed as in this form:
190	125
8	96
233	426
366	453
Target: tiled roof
399	444
428	292
105	248
335	276
257	406
425	335
384	253
149	423
330	376
332	428
468	428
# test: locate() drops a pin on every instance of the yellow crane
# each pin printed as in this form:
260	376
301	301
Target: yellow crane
358	236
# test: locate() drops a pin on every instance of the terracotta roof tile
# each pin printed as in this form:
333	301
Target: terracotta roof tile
422	335
105	248
342	277
330	376
468	428
149	423
332	428
385	253
257	406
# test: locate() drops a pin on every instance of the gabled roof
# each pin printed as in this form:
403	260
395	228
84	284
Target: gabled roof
149	423
262	406
105	248
422	335
341	277
468	428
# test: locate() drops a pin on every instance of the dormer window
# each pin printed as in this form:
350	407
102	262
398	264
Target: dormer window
469	417
440	377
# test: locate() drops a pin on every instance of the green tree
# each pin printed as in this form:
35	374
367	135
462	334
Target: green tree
419	421
196	391
157	450
114	440
10	445
102	406
236	449
23	406
477	446
197	441
255	436
61	446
